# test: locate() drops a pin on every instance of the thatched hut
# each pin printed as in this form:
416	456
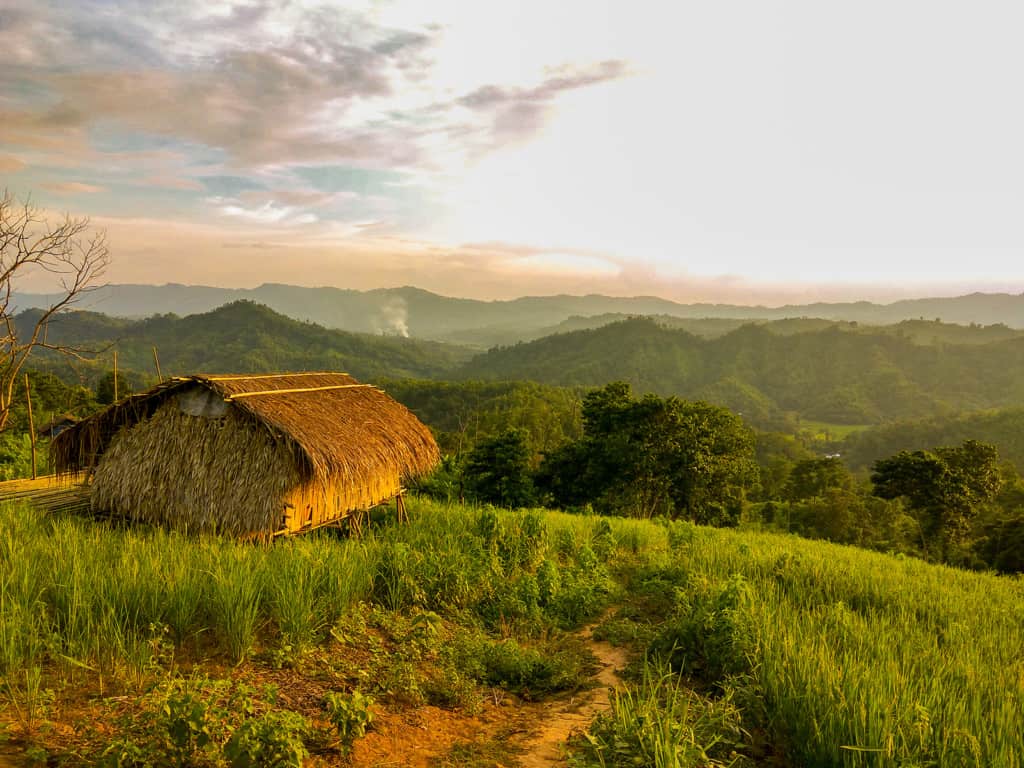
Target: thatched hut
247	455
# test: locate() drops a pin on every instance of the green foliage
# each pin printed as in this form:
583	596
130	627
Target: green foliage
188	721
814	477
847	376
652	456
236	592
833	655
662	722
464	413
16	456
1002	428
105	389
51	397
707	635
183	722
837	656
247	338
272	740
350	714
531	672
945	487
497	470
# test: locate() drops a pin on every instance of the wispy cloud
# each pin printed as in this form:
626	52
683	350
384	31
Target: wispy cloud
515	113
10	164
73	188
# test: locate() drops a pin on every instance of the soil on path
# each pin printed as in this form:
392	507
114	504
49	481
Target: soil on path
559	719
521	734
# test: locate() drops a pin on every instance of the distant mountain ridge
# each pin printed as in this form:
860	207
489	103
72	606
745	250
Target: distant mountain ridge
416	312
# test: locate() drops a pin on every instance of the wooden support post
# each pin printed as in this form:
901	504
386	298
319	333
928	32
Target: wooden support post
31	425
115	375
156	359
403	515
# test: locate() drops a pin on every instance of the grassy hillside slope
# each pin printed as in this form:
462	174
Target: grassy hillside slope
137	643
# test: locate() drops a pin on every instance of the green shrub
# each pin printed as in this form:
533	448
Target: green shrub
273	740
350	714
709	634
661	722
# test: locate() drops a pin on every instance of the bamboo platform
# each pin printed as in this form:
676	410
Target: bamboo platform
49	493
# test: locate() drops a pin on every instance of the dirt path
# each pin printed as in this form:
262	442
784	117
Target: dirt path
560	718
518	734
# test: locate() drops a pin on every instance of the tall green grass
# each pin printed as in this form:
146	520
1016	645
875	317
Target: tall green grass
92	598
857	658
842	657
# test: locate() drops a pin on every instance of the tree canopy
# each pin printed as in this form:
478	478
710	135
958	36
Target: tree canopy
652	455
946	487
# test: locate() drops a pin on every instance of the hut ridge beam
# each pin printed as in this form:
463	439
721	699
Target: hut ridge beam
261	376
299	390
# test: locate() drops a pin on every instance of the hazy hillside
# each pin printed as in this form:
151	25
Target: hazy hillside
415	312
833	375
920	331
243	337
1004	428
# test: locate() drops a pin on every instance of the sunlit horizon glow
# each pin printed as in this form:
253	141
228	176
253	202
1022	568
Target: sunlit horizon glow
746	153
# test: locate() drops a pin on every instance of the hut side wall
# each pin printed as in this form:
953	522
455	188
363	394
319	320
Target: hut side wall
313	504
197	473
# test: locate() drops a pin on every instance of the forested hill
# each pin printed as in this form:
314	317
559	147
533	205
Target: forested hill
918	330
1004	428
428	315
833	375
242	337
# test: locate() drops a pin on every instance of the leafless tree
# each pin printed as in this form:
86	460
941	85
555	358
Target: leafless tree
73	253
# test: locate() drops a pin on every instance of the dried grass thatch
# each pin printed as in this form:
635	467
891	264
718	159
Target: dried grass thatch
296	450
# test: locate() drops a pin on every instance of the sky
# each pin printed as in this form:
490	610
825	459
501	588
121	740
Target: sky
734	151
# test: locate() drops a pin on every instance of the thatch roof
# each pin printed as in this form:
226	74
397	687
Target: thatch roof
57	424
333	424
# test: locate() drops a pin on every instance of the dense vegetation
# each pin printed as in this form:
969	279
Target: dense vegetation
150	648
831	375
1004	428
783	375
243	338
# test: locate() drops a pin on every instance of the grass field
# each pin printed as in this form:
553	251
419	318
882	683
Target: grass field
121	644
823	430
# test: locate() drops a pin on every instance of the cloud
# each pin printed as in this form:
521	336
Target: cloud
261	87
171	182
516	113
267	84
9	164
73	188
268	213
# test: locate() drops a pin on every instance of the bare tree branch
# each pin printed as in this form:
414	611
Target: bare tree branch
71	251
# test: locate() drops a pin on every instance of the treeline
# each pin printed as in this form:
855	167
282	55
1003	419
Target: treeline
607	450
831	375
776	375
650	456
